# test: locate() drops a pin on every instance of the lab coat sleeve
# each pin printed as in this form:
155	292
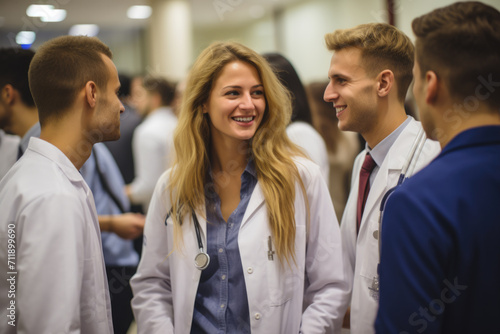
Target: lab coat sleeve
50	265
326	288
412	257
151	285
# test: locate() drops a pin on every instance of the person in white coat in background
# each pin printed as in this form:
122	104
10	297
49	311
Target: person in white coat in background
370	72
300	130
48	224
241	234
152	141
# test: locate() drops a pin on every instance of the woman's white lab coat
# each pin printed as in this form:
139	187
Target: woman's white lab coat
361	253
309	296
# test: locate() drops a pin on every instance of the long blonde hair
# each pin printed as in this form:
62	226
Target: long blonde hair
270	148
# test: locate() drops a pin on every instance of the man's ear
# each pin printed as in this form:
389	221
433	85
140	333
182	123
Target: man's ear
8	94
385	81
432	87
91	93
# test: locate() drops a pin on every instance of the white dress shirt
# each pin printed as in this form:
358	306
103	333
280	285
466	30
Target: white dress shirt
153	147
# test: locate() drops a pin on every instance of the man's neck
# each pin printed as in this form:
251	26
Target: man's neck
480	118
71	142
387	123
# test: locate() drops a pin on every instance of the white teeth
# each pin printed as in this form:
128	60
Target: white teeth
339	109
243	119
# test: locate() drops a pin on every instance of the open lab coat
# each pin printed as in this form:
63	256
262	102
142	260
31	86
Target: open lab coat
165	285
59	273
361	253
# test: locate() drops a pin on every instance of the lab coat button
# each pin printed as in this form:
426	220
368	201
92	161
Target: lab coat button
250	270
375	234
257	316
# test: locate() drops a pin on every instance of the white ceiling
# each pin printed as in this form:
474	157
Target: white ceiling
111	14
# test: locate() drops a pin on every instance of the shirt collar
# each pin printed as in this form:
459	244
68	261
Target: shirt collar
52	153
380	151
34	131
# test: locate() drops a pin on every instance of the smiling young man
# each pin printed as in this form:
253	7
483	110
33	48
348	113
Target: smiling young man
56	261
439	269
370	72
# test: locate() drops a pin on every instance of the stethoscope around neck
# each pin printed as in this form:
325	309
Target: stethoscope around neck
202	259
406	172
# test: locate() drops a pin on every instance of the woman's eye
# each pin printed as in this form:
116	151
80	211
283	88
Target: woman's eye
258	92
232	93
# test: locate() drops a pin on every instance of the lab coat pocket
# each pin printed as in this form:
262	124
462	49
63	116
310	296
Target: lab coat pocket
284	279
368	256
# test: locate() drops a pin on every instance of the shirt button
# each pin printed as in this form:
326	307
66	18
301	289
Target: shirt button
220	250
223	277
257	316
250	270
222	306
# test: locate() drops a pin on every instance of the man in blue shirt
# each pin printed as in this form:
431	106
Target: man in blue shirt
439	270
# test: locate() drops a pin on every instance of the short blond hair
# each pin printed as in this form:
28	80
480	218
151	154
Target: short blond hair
382	47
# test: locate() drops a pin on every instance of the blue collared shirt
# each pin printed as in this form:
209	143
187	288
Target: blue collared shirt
116	251
221	304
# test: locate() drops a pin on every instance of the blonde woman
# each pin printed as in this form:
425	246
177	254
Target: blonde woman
241	234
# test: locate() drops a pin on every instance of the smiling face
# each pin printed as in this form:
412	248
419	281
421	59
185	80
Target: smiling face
236	103
352	92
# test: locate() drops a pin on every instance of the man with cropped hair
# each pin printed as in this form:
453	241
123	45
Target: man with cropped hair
54	258
439	269
370	72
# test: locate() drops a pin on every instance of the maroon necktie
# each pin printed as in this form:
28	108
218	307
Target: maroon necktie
364	186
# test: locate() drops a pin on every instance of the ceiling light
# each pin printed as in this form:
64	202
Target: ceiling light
38	10
55	15
25	38
139	12
84	29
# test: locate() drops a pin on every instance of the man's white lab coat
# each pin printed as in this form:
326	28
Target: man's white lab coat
58	269
361	253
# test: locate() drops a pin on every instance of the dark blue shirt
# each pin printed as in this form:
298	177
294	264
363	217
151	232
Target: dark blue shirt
221	304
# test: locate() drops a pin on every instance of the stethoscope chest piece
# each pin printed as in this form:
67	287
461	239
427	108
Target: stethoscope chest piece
201	260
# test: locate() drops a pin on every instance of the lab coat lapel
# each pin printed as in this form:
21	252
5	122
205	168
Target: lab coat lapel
256	201
388	174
